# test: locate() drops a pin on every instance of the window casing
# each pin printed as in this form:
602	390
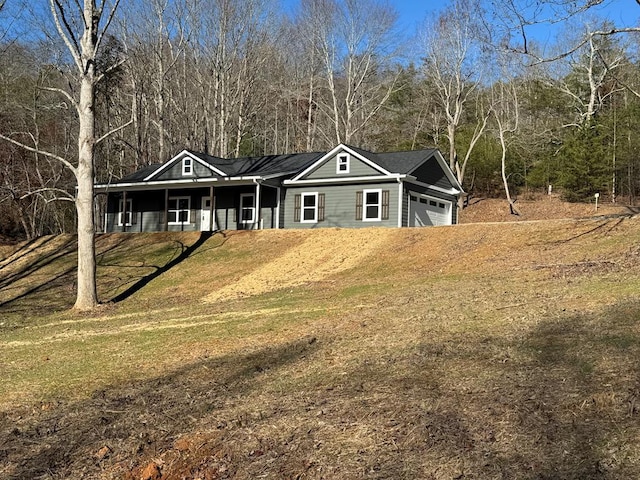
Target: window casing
372	207
187	166
247	208
179	210
128	214
309	208
343	163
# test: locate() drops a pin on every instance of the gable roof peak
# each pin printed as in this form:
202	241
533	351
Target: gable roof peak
193	155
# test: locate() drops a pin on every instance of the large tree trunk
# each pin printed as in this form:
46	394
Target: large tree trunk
67	16
87	296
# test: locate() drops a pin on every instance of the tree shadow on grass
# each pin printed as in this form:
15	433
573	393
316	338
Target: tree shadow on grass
138	419
555	404
44	280
39	276
185	252
34	259
604	226
633	210
581	380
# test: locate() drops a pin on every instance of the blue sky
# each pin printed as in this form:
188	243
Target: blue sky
413	12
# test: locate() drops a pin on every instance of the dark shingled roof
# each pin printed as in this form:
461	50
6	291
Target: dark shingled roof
394	162
140	175
262	166
403	162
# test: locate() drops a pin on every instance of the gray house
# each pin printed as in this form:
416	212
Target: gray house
346	187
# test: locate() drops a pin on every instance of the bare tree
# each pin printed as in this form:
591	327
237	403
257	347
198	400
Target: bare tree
506	116
519	17
82	29
585	75
454	66
29	183
155	38
304	46
226	50
355	42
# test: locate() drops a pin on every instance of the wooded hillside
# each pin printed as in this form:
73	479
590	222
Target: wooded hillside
239	78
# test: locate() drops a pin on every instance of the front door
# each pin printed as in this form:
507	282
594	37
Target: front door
247	211
205	215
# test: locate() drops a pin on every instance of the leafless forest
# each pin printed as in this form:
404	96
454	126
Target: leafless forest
251	77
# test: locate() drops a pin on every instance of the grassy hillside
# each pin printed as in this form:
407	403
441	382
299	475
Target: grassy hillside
475	351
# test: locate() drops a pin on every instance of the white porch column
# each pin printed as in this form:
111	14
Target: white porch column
277	212
258	209
166	210
124	211
212	209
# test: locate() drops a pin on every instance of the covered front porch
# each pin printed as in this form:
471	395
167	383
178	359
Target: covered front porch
183	207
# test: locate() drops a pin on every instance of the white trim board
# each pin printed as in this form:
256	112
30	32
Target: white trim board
179	157
332	153
321	181
182	183
451	191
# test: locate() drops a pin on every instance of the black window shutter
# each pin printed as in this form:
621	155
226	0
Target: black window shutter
321	207
296	207
359	205
385	205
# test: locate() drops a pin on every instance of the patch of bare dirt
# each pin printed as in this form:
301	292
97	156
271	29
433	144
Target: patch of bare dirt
542	207
321	254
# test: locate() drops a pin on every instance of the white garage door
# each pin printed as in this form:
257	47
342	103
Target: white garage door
426	211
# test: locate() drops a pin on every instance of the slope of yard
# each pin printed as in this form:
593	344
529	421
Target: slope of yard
537	207
476	351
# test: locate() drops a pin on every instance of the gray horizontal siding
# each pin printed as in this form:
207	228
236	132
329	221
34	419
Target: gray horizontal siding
174	172
357	168
340	206
405	206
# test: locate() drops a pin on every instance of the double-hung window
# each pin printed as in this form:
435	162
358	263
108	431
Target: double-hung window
372	205
125	215
187	166
342	163
179	211
309	208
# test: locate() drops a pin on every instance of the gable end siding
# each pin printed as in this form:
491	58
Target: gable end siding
357	168
430	172
174	172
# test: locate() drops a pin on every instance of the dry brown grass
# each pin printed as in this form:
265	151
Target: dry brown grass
537	207
478	351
